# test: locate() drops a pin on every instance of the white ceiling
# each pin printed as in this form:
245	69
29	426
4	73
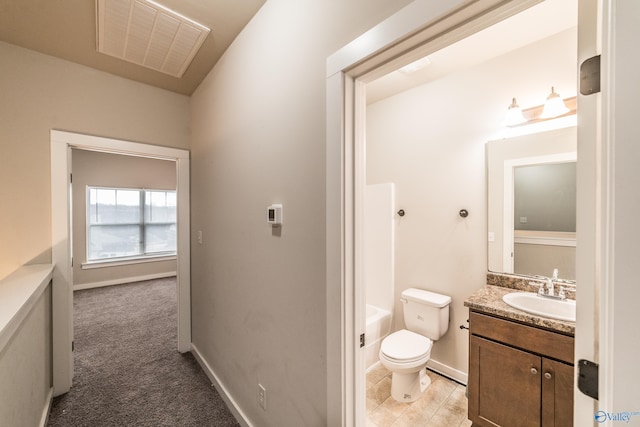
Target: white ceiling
543	20
67	29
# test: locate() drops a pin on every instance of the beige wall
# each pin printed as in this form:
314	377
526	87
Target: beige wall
434	152
111	170
259	311
40	93
25	368
543	259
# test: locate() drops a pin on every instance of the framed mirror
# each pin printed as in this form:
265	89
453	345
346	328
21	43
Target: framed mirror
531	202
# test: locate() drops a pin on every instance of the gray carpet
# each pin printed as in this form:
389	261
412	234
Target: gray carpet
128	371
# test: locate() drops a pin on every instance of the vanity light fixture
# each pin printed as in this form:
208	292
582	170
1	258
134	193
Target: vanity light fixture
554	106
514	115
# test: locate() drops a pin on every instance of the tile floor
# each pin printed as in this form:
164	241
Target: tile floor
443	404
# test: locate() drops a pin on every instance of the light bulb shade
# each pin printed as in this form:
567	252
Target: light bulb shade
514	115
554	106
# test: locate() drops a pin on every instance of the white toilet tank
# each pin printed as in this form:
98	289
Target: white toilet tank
426	313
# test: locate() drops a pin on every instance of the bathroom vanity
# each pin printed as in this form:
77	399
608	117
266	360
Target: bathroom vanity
521	369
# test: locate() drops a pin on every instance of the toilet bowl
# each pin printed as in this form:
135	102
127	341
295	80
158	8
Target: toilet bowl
406	352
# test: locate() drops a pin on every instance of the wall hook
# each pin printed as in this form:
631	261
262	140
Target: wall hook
464	213
401	212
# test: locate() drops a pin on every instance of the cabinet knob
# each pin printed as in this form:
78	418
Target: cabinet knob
547	375
534	371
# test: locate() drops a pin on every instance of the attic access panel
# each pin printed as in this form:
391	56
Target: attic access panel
146	33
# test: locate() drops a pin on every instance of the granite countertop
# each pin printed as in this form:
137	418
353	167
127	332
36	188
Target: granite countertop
489	300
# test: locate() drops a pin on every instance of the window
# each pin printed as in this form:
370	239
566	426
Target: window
124	222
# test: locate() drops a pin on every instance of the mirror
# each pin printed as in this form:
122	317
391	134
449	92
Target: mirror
531	201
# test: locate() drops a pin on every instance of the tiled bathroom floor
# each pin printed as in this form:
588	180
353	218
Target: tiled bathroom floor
443	404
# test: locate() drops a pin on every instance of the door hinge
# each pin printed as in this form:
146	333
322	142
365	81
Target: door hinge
361	340
71	178
73	345
588	378
590	76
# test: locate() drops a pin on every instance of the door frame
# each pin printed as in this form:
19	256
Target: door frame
415	31
62	298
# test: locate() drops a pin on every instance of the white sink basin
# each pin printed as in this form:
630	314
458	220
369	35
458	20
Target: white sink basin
541	306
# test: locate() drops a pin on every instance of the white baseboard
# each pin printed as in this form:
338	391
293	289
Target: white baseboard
123	280
233	407
448	371
47	408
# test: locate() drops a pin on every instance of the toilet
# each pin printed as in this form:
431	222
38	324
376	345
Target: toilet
406	352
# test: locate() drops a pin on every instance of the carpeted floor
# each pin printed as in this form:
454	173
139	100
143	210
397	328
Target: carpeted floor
128	371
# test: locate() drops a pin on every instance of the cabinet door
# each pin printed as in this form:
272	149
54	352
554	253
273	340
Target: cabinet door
557	394
504	385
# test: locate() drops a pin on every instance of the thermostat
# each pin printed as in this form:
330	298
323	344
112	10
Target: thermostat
274	214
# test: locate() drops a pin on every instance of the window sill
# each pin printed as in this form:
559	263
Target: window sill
126	261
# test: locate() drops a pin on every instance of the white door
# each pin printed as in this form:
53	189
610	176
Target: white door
586	243
617	200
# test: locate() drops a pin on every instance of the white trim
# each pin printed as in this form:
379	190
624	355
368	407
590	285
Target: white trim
235	409
183	263
412	17
62	292
61	145
359	189
118	146
90	265
44	418
587	213
545	240
122	281
448	371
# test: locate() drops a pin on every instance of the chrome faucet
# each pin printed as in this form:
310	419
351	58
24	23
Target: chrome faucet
550	288
550	285
550	282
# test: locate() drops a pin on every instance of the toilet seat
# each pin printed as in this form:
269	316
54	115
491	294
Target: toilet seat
405	346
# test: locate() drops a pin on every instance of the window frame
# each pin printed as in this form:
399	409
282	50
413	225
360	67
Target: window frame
143	254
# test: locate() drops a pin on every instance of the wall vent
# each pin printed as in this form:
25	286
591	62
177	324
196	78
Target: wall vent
146	33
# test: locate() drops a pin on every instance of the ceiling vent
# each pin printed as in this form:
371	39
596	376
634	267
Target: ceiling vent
146	33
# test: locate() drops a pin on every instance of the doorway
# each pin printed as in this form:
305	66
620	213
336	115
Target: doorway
402	40
61	166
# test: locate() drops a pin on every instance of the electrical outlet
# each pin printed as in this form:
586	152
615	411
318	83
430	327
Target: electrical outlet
262	396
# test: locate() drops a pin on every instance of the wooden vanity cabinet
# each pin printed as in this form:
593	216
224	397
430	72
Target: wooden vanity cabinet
519	375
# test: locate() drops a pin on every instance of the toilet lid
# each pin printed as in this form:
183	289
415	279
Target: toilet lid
405	345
